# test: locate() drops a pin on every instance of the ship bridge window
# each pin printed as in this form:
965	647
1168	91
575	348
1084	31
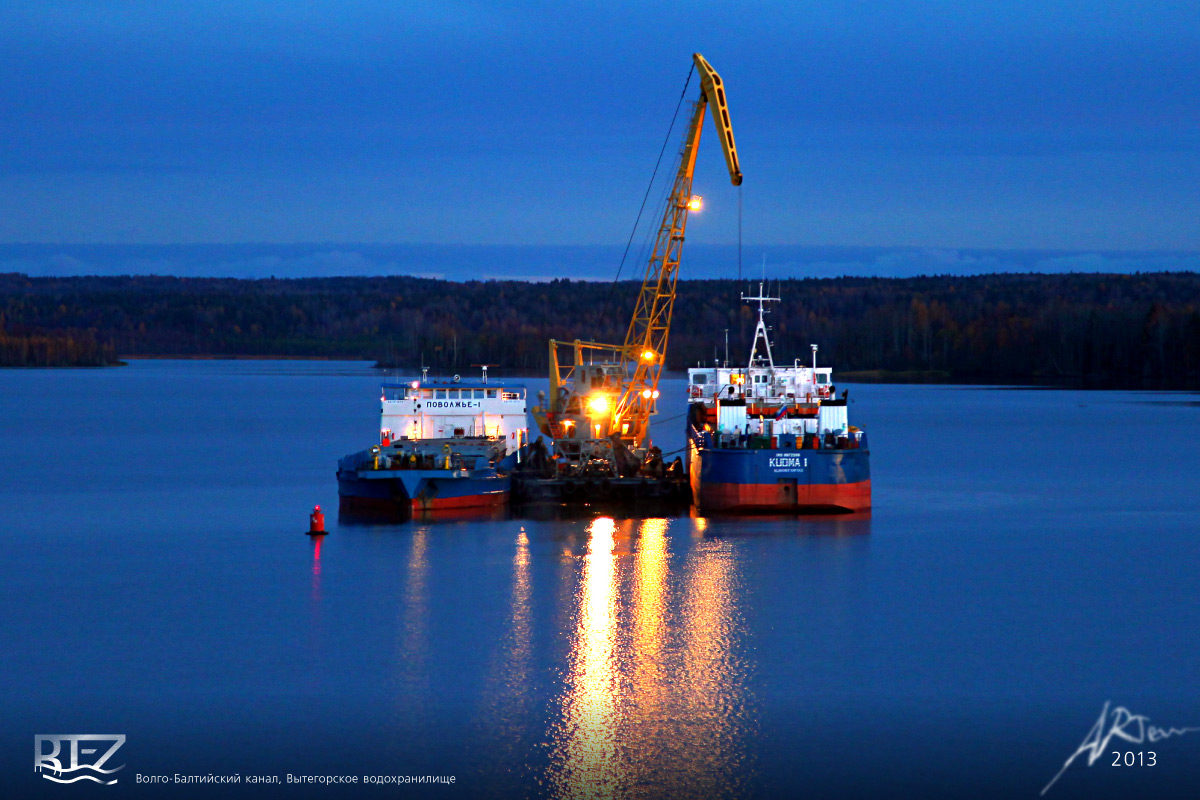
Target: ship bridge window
427	394
439	394
760	378
822	377
700	380
511	396
491	393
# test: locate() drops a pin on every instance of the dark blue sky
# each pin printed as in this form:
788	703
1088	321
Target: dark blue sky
1065	125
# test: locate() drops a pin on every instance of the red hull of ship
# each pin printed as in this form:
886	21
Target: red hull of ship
772	497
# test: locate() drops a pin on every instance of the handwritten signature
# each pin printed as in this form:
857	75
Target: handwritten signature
1133	728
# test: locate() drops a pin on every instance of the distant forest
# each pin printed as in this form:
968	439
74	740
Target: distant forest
1093	330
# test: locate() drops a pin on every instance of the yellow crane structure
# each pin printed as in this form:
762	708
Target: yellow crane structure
606	389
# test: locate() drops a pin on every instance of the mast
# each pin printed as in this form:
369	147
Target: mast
760	330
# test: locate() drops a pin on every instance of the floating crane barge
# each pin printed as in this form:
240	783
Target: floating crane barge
603	395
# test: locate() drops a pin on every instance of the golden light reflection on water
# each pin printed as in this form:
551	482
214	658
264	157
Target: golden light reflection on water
588	752
655	697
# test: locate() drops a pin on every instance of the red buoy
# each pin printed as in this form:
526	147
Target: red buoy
316	522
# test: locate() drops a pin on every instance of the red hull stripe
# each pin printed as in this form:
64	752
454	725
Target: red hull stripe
783	497
489	500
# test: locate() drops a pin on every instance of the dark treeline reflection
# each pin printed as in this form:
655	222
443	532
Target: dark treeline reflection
1085	329
54	350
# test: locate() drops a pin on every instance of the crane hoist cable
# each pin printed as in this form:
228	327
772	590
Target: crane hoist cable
649	186
591	401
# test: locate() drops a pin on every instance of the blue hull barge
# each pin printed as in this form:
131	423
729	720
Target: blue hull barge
443	446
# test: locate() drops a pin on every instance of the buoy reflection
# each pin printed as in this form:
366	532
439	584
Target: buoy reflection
316	569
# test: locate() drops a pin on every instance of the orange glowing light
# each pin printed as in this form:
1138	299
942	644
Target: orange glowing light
599	404
695	202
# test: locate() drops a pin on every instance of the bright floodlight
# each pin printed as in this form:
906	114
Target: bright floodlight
598	404
694	202
646	393
647	355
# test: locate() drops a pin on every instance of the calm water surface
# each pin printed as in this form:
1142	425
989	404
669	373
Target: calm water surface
1031	555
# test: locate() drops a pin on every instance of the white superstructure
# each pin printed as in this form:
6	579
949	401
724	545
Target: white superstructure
454	409
763	398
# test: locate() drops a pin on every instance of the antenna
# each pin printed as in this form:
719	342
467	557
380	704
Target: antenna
760	330
485	368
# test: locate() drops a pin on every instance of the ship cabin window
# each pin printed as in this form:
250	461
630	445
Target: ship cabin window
510	395
700	379
427	394
491	393
760	378
440	394
822	377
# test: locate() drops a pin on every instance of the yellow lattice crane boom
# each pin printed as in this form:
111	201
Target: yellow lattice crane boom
617	394
646	340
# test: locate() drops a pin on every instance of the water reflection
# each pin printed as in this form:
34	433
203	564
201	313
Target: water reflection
316	570
508	690
655	697
587	751
414	634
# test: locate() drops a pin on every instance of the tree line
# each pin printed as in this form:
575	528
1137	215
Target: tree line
1100	330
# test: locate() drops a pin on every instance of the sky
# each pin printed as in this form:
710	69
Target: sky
939	126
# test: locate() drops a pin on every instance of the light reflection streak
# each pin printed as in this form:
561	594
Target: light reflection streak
712	675
655	694
414	644
650	610
507	695
589	753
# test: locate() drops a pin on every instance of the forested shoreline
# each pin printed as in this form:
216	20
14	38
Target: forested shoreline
1094	330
